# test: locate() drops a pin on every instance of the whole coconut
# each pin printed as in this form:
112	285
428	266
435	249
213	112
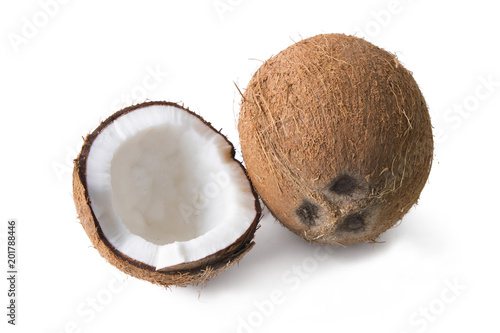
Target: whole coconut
336	138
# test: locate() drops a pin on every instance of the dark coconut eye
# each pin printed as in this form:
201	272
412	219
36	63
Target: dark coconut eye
352	223
344	185
307	213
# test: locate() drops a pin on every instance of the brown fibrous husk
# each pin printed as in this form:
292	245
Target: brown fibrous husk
332	107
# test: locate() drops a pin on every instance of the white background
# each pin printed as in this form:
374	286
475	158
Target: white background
73	68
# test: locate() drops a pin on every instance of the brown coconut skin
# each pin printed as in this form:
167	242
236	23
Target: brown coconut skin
197	272
336	138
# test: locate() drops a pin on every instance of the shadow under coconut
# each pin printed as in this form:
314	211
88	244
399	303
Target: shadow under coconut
277	251
413	231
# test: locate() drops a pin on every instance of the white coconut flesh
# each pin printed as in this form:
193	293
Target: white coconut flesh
165	189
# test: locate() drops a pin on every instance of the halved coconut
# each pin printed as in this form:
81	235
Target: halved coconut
162	197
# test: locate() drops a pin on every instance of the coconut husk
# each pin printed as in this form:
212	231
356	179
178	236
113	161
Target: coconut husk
335	132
